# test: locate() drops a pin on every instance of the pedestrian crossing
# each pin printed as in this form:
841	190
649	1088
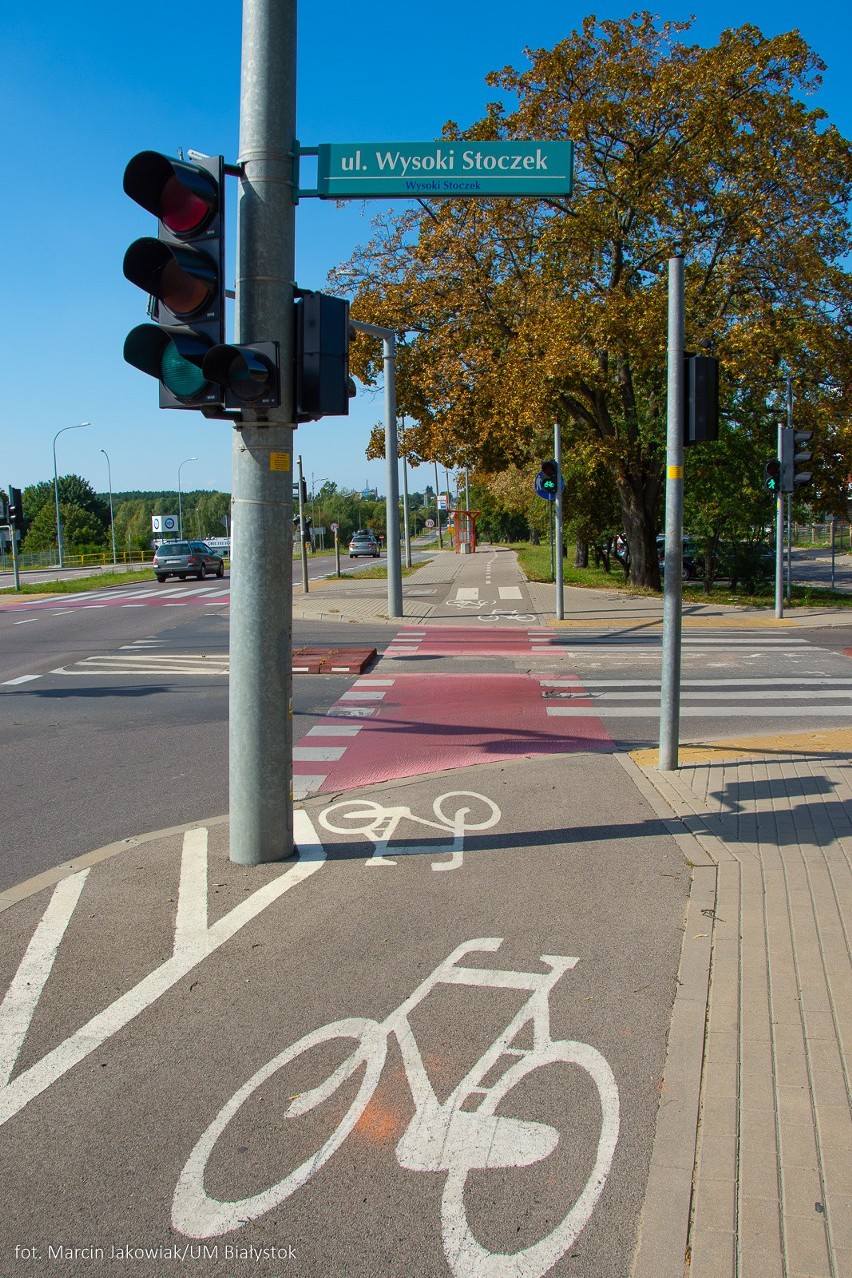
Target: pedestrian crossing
814	697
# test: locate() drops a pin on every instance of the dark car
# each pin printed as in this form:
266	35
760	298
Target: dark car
693	566
363	543
187	559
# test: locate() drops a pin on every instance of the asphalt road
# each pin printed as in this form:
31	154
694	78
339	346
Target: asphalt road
131	734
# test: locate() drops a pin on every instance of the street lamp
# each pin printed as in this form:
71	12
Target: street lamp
180	508
56	485
111	521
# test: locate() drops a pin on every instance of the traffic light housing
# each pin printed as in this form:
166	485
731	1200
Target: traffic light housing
549	474
772	476
701	399
323	333
791	477
183	271
16	508
249	375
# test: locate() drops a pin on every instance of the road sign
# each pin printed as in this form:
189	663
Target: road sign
430	523
164	523
335	528
375	170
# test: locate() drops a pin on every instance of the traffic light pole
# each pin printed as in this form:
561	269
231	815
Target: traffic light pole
673	576
559	574
391	463
260	728
779	540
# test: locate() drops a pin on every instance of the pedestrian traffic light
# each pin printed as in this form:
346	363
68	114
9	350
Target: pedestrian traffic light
549	476
701	399
16	508
249	375
791	476
772	476
183	271
323	334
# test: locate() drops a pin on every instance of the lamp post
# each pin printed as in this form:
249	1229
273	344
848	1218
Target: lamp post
79	426
111	521
180	508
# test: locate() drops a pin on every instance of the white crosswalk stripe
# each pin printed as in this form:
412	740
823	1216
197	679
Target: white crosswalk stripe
806	697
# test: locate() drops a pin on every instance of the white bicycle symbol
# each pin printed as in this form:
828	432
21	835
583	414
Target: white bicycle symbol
378	824
450	1136
514	615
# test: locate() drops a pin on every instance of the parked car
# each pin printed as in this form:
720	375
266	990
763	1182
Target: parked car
693	566
187	559
363	543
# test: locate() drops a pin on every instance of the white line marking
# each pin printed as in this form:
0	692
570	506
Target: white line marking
605	711
509	592
30	1082
317	754
354	695
375	683
20	679
26	621
467	592
305	786
334	730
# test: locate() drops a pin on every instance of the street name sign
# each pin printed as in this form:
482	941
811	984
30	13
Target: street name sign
452	170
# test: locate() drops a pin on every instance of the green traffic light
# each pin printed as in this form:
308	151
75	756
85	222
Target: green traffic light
179	375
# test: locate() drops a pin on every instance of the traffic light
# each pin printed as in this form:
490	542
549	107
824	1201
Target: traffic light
323	334
549	476
791	478
16	508
303	490
183	271
772	476
701	399
248	374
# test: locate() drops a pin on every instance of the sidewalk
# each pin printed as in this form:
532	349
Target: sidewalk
770	840
365	599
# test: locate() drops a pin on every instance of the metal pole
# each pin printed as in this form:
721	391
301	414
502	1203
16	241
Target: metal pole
779	539
56	486
833	532
391	464
180	506
260	729
406	529
560	575
111	520
673	576
302	542
438	511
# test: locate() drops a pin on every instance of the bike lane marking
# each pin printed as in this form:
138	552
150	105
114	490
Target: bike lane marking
194	940
417	724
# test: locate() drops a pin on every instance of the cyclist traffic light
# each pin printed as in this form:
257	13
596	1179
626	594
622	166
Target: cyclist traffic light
791	476
549	476
183	272
772	476
249	374
323	333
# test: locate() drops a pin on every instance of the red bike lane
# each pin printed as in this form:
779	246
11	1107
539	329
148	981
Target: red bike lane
389	726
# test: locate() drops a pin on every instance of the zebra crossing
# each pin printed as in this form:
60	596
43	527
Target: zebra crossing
773	697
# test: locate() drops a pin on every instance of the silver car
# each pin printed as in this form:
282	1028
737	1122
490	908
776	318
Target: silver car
363	543
187	559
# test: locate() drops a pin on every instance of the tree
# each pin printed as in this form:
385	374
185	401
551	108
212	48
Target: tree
511	314
85	515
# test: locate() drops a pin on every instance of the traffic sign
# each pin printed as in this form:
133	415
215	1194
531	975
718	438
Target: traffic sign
335	528
164	523
451	170
430	523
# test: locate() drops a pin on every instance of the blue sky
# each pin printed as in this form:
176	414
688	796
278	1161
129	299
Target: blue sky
86	85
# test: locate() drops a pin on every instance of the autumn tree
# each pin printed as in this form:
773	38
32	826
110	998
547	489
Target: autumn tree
513	314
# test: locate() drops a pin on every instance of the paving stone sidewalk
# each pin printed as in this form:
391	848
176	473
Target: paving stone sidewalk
771	838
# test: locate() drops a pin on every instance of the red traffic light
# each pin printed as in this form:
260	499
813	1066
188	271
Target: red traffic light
183	196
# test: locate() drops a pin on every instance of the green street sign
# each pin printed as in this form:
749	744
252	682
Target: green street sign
451	170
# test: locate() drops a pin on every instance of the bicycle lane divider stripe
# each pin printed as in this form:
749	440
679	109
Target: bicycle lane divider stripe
434	722
193	942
